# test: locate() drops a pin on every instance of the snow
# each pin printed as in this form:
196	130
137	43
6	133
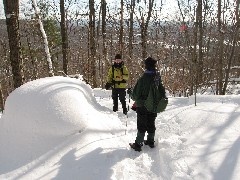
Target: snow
60	128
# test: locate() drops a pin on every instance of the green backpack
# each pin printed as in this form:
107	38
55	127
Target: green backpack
156	101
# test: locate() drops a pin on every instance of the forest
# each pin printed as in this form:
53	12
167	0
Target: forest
196	44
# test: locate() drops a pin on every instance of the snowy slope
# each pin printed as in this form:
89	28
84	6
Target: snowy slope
59	128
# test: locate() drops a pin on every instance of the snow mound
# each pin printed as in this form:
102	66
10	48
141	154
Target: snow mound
42	113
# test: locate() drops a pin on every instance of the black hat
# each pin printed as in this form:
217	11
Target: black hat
118	56
150	63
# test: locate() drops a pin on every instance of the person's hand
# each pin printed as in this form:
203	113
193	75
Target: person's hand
134	107
124	81
129	90
108	86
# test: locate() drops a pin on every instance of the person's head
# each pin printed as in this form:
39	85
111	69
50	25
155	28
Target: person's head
150	63
118	62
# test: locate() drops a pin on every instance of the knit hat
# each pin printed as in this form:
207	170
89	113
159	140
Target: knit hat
150	63
118	56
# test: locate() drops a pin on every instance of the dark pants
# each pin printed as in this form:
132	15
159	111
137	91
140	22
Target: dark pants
121	94
145	120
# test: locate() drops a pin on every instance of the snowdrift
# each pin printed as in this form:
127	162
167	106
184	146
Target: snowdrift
59	107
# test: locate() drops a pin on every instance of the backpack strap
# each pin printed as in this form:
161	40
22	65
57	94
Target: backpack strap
157	78
113	82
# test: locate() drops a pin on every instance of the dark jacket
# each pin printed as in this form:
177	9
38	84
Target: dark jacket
141	89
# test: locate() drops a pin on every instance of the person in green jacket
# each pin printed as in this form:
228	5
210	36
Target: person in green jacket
117	80
145	119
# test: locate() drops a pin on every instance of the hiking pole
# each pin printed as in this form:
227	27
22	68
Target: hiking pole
127	112
128	102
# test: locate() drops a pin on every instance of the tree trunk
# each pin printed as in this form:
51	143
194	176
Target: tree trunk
195	57
92	45
235	35
64	37
121	30
144	28
200	43
132	7
12	12
143	38
50	68
104	35
220	51
131	38
33	60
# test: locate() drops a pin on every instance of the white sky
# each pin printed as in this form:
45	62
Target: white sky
168	5
59	128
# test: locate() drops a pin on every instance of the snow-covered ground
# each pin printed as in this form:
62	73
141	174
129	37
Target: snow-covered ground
59	128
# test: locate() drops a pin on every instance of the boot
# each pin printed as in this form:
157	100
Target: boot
125	111
115	108
150	143
136	146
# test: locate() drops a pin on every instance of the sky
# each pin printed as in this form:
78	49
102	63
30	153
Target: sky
168	5
59	128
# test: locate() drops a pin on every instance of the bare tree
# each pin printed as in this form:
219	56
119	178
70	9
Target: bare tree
200	41
92	43
131	21
50	68
191	54
131	36
144	23
235	36
121	29
12	13
104	35
104	12
64	37
220	50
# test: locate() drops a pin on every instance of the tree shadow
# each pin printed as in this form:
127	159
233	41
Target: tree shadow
91	166
225	171
219	130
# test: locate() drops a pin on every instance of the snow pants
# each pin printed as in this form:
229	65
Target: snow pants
121	94
145	123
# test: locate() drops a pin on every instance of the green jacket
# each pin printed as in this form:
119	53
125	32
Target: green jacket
142	87
118	77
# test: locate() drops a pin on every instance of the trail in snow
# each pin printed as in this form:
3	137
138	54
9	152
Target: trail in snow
192	142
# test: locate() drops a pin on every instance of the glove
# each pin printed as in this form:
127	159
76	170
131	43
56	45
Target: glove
129	90
134	107
108	86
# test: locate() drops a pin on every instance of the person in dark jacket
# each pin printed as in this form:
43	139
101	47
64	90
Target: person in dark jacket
145	119
117	80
